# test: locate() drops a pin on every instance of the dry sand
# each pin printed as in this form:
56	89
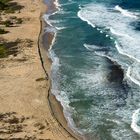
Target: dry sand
24	107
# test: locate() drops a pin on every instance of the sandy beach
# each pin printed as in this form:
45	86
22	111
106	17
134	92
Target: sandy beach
25	111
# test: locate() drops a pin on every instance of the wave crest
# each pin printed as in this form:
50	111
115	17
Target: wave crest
135	125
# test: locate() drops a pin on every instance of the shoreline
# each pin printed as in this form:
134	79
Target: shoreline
55	106
25	111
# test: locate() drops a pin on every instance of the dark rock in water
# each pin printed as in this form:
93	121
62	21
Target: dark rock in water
116	73
116	79
136	25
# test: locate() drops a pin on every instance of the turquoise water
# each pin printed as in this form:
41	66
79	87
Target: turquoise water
96	66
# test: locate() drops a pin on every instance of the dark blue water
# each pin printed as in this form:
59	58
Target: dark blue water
96	67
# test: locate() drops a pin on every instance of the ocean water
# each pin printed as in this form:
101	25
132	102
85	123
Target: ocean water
96	66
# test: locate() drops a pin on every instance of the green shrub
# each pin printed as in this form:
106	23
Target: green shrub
2	31
9	6
4	4
13	17
19	21
3	51
9	10
8	23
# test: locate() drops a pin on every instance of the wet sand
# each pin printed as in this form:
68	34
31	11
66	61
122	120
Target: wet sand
46	42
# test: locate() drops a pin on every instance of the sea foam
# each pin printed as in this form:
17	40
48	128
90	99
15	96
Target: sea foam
102	16
126	39
125	12
136	121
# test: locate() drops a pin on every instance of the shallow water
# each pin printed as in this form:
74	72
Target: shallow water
96	66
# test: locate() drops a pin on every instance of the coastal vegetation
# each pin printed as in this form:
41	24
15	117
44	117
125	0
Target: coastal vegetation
12	21
9	48
8	6
8	23
2	31
4	4
3	51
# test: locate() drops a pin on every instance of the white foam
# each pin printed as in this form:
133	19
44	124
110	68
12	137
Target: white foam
68	3
135	79
67	110
94	47
135	119
60	95
128	74
115	121
60	28
101	16
125	12
56	3
88	47
84	19
120	34
46	19
121	51
127	39
46	16
100	53
50	30
101	32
